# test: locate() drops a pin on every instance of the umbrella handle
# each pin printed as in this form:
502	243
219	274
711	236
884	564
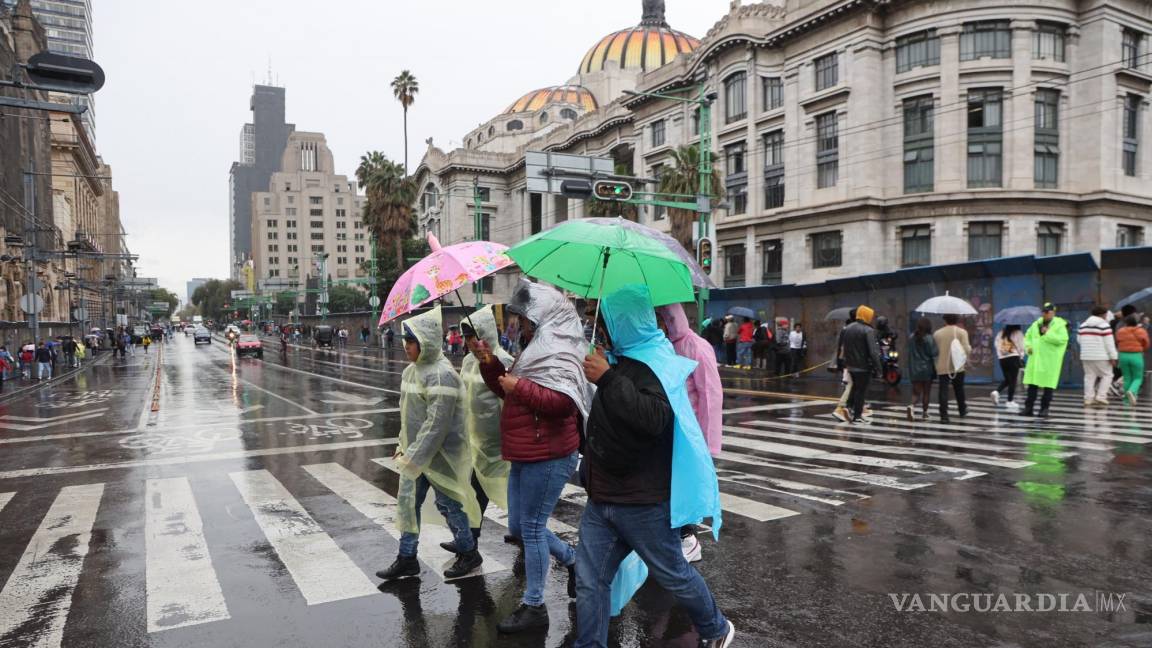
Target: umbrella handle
467	316
605	253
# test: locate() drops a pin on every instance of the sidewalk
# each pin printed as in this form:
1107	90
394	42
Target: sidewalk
30	385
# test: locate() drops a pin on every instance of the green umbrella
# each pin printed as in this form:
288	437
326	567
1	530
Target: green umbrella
591	260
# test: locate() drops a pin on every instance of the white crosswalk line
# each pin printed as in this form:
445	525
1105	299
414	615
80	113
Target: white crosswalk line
35	601
1112	424
4	499
794	489
866	432
774	406
758	511
321	570
182	586
883	481
884	449
998	432
380	507
803	452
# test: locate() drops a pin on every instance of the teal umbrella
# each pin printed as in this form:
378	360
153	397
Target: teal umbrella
592	259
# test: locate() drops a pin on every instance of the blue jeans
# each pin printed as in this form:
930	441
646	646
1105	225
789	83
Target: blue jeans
607	533
453	513
744	354
533	489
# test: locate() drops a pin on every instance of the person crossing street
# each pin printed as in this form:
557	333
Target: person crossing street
1045	343
1132	343
1098	356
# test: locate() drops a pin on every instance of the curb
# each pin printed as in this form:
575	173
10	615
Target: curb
9	395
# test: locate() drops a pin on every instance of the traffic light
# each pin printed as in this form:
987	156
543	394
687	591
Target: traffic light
612	190
704	254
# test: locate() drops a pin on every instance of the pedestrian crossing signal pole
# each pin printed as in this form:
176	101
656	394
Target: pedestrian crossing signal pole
478	218
703	195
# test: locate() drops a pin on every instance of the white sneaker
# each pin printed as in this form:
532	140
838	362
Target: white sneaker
1131	396
840	414
995	397
1012	406
691	548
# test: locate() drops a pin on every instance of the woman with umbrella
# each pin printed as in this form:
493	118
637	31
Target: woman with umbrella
1009	345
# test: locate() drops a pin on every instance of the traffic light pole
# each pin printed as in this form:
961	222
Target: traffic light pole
477	218
373	299
703	195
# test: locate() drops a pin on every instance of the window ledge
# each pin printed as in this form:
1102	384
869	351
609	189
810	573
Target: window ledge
736	126
1140	78
826	98
916	74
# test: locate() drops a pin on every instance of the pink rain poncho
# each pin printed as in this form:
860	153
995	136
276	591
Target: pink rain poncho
704	389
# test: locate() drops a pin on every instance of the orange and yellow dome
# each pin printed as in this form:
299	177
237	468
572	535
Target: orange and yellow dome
644	47
562	94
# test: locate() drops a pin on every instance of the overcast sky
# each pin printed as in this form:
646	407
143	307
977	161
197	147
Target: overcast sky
180	75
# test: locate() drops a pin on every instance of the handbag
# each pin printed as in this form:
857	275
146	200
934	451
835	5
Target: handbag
959	357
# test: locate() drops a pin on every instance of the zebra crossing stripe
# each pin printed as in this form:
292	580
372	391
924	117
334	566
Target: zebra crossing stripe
998	432
917	468
4	499
35	601
787	488
758	511
883	481
182	586
380	507
1080	425
321	570
921	437
884	449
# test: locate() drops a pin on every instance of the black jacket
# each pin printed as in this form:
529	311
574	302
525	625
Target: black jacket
43	354
628	450
861	353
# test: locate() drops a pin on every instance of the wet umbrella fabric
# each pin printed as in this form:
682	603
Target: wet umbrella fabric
946	305
700	279
838	314
1142	297
1018	315
740	311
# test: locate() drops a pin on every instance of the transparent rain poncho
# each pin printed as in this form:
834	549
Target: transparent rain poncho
482	412
432	437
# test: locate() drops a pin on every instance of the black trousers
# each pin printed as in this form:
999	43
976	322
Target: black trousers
1030	401
859	393
1010	366
730	352
957	383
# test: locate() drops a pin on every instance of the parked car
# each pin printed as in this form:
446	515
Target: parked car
249	344
201	334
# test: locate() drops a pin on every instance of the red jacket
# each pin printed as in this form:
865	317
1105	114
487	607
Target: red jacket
747	332
536	423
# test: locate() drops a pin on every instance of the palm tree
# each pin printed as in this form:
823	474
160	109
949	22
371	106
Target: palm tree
391	195
683	177
404	88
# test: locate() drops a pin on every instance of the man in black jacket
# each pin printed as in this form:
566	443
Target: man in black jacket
628	474
861	359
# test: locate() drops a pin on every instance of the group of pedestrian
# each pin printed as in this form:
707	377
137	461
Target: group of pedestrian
512	432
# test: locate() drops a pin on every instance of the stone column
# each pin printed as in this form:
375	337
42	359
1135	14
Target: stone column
1020	114
951	118
751	257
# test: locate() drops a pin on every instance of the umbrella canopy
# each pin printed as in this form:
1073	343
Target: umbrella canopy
1136	299
700	278
740	311
1018	315
838	314
591	259
444	270
946	305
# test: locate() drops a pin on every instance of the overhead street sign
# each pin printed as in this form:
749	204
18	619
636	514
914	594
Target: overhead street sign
139	283
242	294
546	171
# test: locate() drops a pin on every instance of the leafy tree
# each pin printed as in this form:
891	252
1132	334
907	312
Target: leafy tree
285	303
211	297
404	88
346	299
683	177
165	295
391	195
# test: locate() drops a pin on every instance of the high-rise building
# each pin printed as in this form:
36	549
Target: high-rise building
68	24
268	133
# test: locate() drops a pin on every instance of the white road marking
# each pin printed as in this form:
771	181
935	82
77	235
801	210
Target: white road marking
321	570
788	488
816	426
1107	422
758	511
883	481
380	507
861	460
344	398
182	586
775	406
35	602
4	499
997	433
178	461
884	449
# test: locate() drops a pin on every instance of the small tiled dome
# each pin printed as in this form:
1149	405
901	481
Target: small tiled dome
564	94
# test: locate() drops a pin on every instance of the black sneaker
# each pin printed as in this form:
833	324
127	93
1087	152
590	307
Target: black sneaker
572	581
525	617
720	642
1027	412
465	564
1044	413
449	546
513	540
404	567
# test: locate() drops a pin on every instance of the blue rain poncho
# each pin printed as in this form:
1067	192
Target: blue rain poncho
433	442
631	322
482	412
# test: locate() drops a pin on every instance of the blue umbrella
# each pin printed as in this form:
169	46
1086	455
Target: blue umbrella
740	311
1018	315
1135	298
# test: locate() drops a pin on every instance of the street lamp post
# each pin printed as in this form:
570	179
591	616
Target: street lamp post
477	226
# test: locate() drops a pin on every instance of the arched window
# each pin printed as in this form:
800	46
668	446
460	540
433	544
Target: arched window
543	118
430	197
515	125
468	143
491	131
568	113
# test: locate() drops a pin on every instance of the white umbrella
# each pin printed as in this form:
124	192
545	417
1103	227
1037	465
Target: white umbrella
946	305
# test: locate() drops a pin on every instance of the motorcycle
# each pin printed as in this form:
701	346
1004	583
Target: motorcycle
890	358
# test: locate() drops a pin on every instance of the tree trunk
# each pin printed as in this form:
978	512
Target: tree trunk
405	141
398	241
682	226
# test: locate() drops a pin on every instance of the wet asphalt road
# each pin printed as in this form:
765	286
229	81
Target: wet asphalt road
248	510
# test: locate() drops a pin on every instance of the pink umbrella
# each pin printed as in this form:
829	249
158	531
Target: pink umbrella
445	270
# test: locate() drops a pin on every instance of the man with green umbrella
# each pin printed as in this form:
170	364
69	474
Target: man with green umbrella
1046	342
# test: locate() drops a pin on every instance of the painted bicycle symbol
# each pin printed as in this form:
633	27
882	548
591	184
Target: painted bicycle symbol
156	443
343	428
79	400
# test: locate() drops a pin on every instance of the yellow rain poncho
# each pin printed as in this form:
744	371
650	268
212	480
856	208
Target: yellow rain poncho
432	438
482	412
